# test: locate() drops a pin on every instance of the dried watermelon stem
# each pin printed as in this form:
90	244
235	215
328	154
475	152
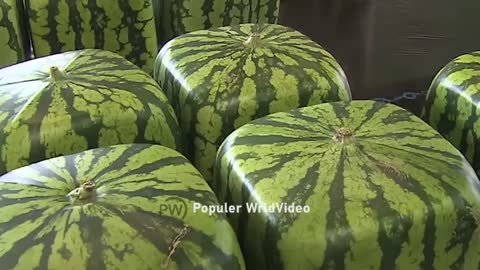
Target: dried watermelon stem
253	40
343	135
176	241
84	192
56	74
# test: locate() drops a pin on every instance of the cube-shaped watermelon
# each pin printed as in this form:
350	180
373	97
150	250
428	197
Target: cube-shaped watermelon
220	79
360	185
70	102
123	27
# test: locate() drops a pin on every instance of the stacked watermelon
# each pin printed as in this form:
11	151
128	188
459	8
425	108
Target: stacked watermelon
68	203
90	147
177	17
220	79
112	217
13	34
364	185
452	105
70	102
124	27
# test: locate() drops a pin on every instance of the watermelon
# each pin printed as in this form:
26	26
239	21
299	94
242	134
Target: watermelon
353	185
12	33
220	79
452	108
70	102
104	209
177	17
123	27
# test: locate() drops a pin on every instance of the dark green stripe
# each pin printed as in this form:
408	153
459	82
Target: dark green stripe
413	186
52	36
337	245
92	233
10	259
391	246
34	123
76	23
97	25
250	181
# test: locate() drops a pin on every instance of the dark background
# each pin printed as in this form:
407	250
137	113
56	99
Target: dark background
388	47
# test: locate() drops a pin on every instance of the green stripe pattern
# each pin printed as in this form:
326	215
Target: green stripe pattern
452	106
220	79
123	226
125	27
11	34
384	190
177	17
96	98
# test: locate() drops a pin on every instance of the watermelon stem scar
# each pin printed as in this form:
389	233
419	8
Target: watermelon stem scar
56	74
176	241
85	192
343	134
253	40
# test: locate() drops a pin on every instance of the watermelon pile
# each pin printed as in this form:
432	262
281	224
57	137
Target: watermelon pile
237	146
134	29
377	189
452	105
220	79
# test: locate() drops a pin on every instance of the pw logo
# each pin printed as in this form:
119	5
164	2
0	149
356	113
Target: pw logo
174	207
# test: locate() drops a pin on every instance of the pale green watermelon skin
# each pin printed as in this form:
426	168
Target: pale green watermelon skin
123	226
394	195
124	27
452	108
13	33
103	100
178	17
216	82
